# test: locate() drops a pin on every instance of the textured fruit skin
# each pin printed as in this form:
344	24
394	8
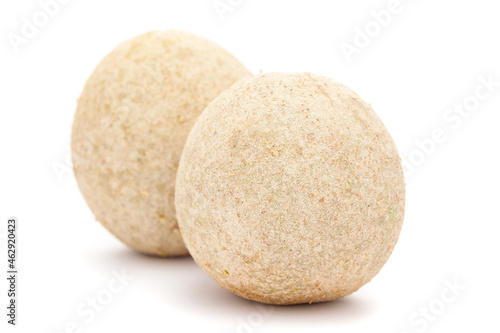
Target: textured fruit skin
131	123
290	190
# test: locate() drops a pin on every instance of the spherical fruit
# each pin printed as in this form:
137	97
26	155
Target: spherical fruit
290	190
131	123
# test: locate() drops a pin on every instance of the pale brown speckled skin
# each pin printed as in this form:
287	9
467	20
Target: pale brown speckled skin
290	190
132	120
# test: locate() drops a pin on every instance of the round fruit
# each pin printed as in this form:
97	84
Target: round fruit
290	190
132	120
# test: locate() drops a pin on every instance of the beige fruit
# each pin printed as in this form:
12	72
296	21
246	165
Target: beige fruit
132	120
290	190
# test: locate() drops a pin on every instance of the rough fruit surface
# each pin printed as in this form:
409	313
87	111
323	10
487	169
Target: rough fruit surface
131	123
290	190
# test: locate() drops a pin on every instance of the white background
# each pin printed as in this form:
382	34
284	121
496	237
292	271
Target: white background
430	57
